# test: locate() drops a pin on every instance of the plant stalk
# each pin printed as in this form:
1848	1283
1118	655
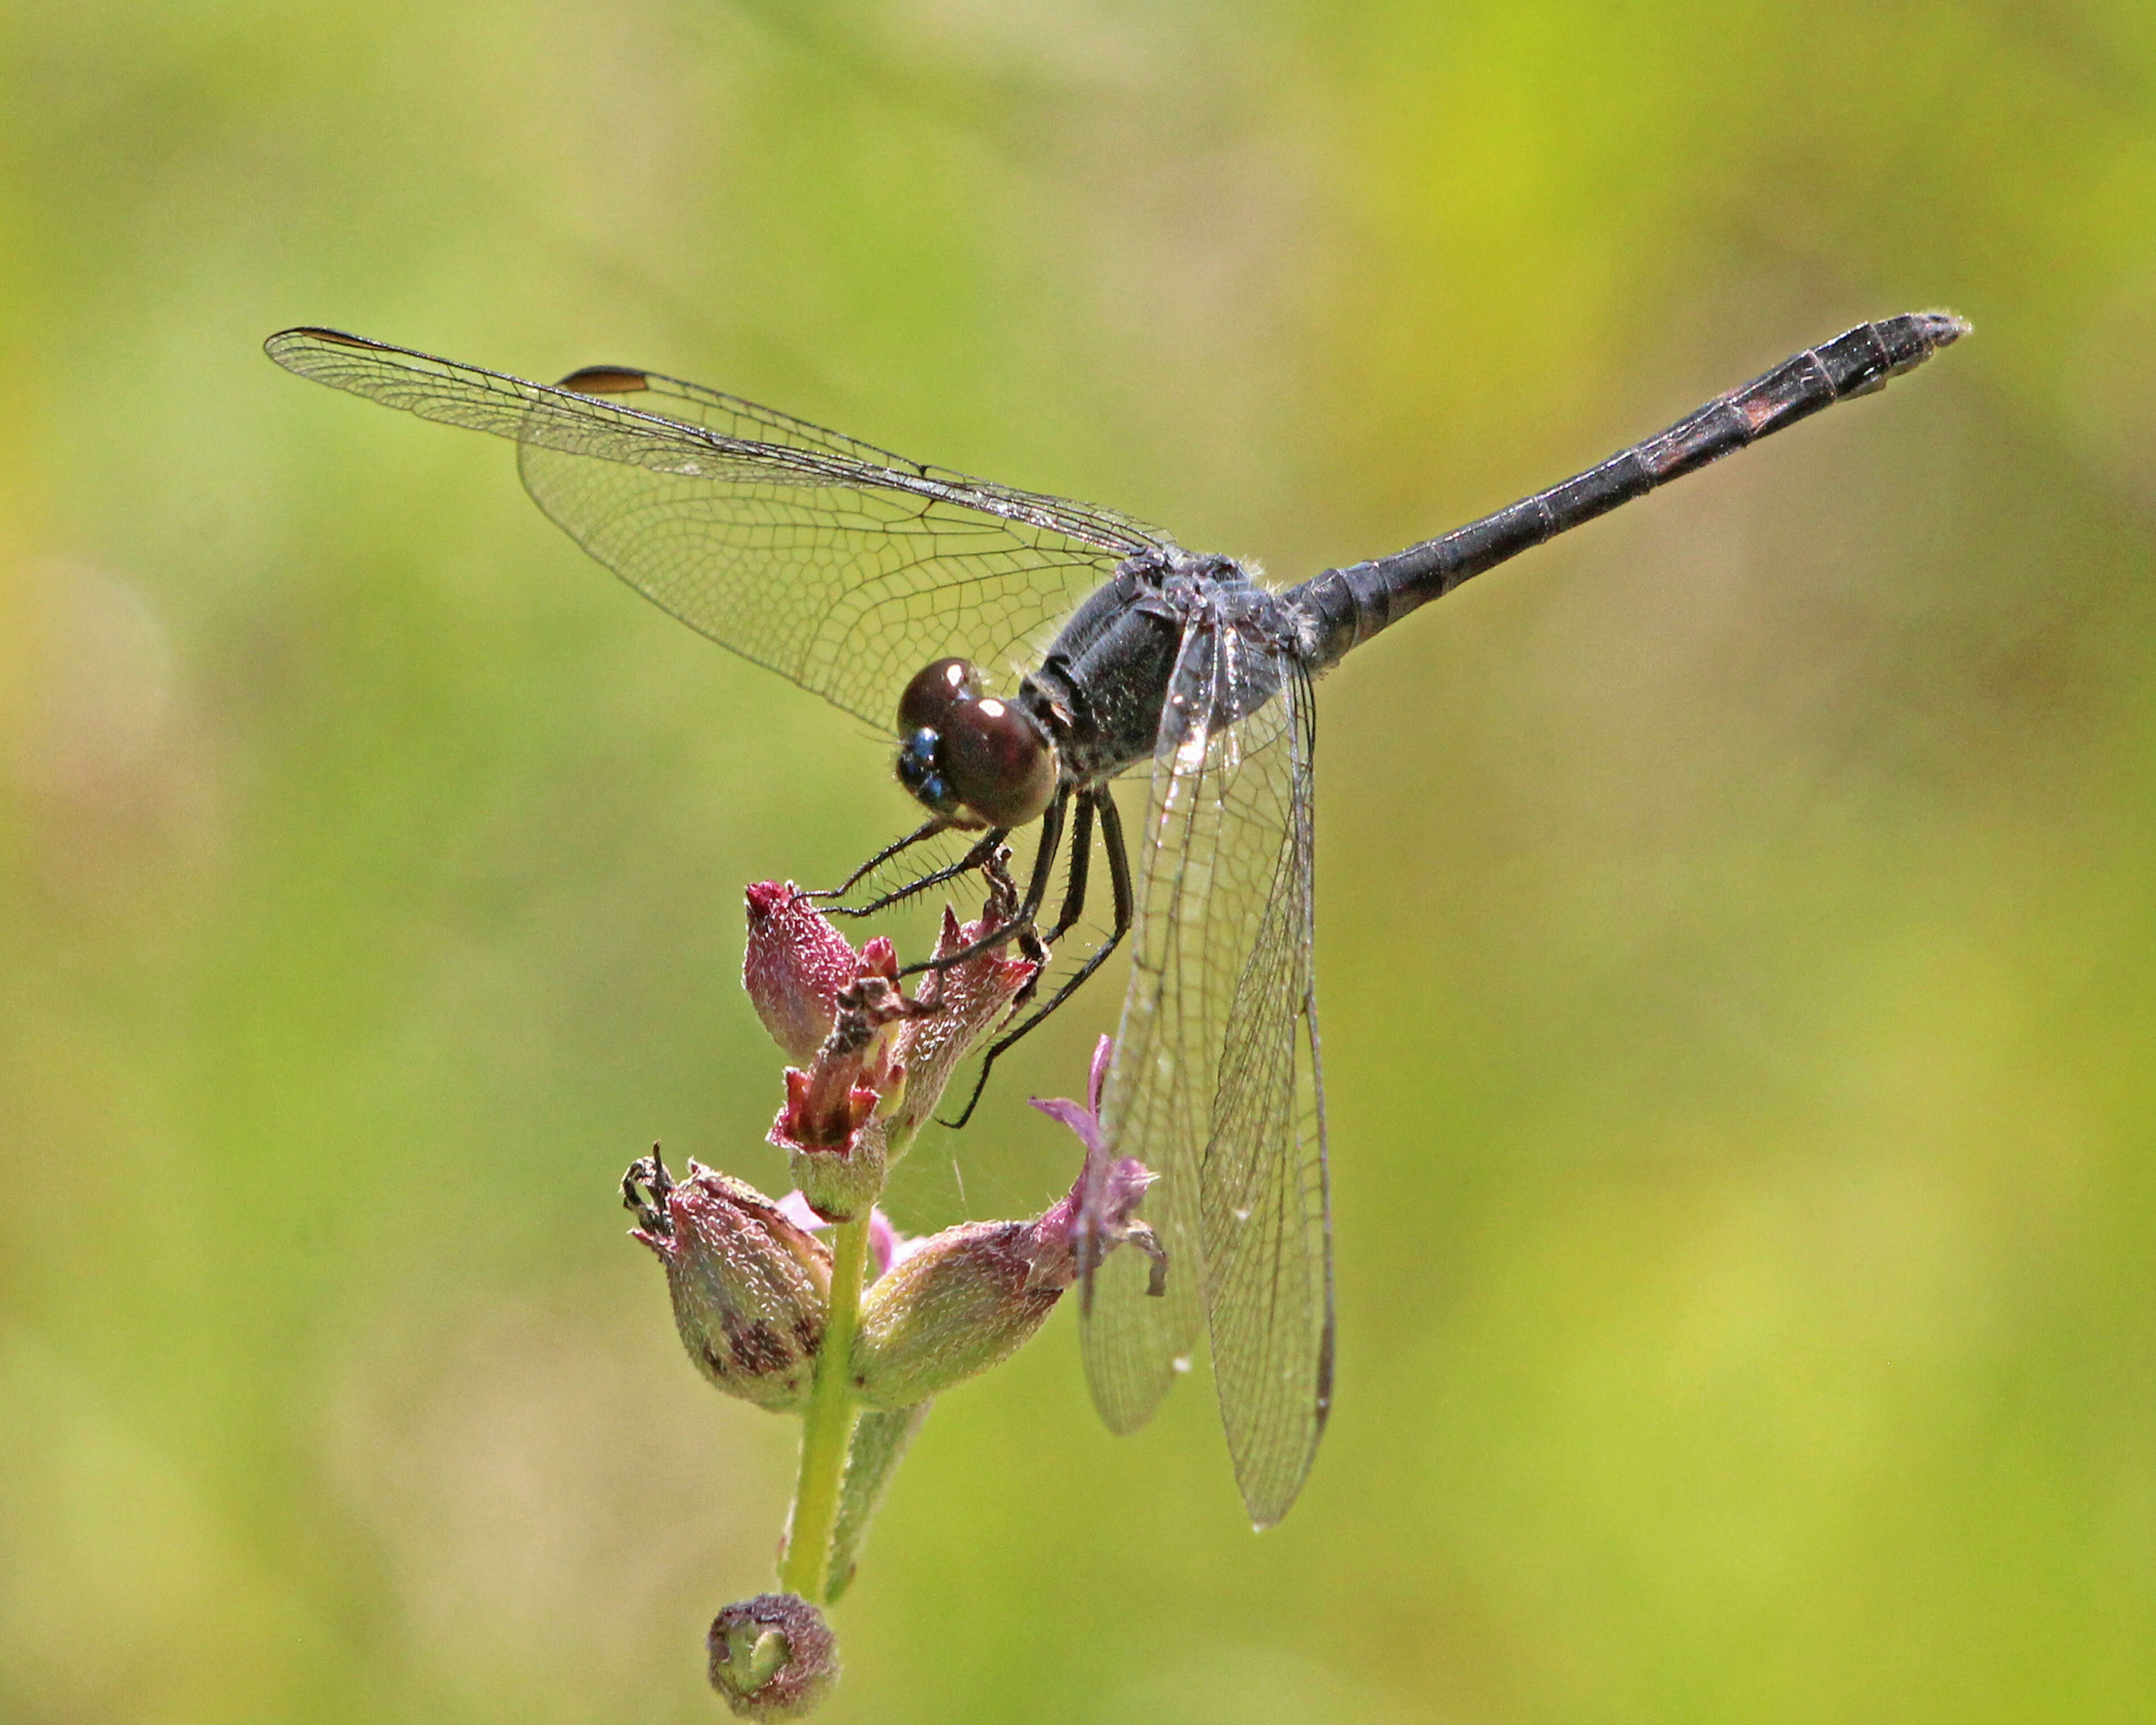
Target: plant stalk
829	1424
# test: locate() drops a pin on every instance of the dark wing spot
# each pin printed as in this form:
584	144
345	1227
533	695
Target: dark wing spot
338	336
606	380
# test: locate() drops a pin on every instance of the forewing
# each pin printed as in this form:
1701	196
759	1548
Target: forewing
837	564
1213	1085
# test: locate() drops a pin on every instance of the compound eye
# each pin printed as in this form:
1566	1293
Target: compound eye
999	764
921	772
935	689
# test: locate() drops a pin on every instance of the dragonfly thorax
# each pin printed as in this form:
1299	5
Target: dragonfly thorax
976	760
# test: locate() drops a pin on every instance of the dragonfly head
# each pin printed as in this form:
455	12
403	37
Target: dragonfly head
976	760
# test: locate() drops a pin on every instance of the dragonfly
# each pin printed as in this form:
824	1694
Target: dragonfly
1033	651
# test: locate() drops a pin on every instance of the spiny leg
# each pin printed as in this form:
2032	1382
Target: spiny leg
1082	851
928	830
1119	877
1032	944
1090	1248
976	856
1029	909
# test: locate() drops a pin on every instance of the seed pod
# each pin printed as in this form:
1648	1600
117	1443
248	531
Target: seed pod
969	1297
956	1305
751	1290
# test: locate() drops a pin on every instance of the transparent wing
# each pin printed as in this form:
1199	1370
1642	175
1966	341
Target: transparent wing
1264	1203
837	564
1215	1084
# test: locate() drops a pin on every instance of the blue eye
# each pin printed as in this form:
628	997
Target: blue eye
917	758
918	771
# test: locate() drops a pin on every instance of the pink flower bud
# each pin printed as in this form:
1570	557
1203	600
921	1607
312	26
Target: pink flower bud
957	1005
751	1290
773	1657
796	965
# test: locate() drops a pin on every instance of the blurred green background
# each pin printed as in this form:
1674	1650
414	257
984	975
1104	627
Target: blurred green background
1736	936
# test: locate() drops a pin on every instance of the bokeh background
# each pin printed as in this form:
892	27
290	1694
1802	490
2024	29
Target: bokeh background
1736	938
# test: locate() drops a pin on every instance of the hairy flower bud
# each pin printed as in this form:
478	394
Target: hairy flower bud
959	1002
969	1297
839	1185
874	1061
856	1067
750	1289
772	1656
796	965
957	1305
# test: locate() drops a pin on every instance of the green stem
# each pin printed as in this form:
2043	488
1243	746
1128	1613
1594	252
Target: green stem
829	1424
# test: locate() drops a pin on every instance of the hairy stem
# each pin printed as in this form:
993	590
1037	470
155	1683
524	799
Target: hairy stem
829	1424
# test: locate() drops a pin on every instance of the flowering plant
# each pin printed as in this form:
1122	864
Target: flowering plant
860	1333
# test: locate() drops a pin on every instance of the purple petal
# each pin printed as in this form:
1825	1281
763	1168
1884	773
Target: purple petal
886	1244
1097	1081
883	1241
1081	1119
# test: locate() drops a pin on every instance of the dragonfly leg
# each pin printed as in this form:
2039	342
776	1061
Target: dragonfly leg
1029	909
927	830
1035	947
977	855
1031	946
1082	851
1119	876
